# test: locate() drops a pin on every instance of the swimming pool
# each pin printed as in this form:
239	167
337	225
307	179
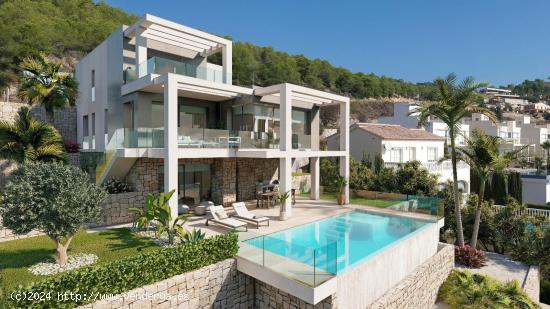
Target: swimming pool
337	243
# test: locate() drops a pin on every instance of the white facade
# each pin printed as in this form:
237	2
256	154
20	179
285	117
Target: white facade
535	189
404	115
157	96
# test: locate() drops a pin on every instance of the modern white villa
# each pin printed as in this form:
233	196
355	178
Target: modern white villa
167	118
157	103
397	145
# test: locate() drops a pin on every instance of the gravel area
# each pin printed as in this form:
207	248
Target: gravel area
73	262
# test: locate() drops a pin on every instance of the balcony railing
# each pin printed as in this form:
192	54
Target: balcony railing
203	138
432	167
157	65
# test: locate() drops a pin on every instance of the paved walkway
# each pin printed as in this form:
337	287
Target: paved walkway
501	268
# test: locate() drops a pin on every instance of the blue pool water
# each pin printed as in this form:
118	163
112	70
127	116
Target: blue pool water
337	243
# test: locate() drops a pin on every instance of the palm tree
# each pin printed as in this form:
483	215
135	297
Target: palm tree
454	102
29	139
546	147
43	83
482	154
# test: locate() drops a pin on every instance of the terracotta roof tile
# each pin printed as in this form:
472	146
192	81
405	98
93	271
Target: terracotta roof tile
397	132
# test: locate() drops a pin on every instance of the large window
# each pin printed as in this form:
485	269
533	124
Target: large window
194	183
396	155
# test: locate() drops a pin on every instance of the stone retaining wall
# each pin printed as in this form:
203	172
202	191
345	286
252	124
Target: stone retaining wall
216	286
419	289
268	296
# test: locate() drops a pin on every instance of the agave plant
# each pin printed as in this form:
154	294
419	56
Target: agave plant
152	208
193	236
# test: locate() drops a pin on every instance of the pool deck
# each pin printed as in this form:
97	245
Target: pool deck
303	212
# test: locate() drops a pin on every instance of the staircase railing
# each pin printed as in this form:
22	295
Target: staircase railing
116	141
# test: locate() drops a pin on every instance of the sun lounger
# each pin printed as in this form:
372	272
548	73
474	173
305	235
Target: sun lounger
220	217
244	214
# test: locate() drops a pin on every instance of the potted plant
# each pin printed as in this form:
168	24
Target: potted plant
282	198
341	183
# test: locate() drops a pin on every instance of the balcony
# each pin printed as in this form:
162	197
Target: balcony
203	138
157	65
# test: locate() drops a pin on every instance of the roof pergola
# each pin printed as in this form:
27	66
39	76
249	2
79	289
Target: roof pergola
164	31
303	94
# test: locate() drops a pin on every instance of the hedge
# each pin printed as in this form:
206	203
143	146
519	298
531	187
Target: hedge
128	273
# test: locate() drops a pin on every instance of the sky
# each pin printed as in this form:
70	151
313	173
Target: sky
496	41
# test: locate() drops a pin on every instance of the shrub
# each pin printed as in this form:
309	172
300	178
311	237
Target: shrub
72	147
115	185
129	273
54	198
467	290
469	256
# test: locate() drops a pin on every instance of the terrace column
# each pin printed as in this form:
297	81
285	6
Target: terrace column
285	181
314	125
315	177
285	115
141	55
227	61
285	163
344	145
171	141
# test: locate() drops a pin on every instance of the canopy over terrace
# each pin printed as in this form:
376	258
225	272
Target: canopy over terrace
161	34
286	95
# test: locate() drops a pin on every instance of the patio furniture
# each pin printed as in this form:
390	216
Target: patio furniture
244	214
186	141
183	209
220	217
267	197
200	210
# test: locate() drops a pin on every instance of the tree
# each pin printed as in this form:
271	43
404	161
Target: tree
482	154
53	198
43	83
414	179
454	102
546	147
29	139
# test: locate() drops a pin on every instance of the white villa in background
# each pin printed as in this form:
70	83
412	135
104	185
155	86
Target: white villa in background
397	145
404	115
163	113
503	97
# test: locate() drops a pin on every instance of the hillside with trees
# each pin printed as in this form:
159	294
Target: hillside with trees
73	27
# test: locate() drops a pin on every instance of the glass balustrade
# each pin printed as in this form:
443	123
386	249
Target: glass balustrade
311	265
202	138
158	65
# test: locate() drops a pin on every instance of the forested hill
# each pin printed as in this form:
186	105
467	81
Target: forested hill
74	27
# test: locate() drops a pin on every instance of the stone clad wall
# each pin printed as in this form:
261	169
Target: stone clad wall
250	171
419	289
215	286
271	297
64	120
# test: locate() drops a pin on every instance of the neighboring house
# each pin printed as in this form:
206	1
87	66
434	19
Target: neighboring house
503	98
404	115
534	108
397	144
509	131
167	118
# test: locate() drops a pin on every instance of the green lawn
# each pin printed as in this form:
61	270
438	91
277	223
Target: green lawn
17	255
332	196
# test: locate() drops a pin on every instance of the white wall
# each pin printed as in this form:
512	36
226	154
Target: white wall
535	190
407	146
401	116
